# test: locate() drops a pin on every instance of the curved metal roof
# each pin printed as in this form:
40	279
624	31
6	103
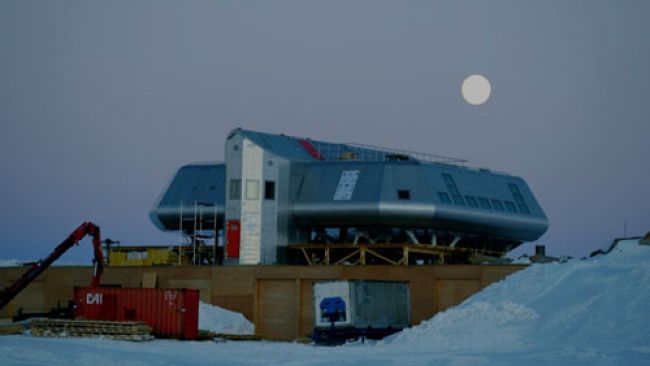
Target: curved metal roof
202	184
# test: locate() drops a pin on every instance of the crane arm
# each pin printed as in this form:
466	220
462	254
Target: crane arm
87	228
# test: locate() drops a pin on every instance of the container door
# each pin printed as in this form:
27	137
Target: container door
233	229
108	310
190	314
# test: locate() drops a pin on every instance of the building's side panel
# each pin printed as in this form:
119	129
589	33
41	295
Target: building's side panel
293	232
283	219
271	181
233	288
306	318
277	308
251	215
423	298
453	292
233	195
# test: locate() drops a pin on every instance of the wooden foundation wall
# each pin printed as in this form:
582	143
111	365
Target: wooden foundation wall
277	298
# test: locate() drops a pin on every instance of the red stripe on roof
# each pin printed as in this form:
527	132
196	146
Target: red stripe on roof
309	147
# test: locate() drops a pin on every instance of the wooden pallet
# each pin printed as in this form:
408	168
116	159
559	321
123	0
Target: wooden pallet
11	329
208	335
133	331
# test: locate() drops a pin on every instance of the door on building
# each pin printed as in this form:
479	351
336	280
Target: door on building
233	230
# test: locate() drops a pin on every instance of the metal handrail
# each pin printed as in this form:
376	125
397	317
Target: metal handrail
355	151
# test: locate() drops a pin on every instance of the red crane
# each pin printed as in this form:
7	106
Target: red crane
87	228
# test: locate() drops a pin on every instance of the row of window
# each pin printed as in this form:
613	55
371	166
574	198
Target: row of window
483	202
454	195
252	189
475	202
253	193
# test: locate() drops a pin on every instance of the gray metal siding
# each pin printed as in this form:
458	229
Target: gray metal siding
380	304
201	183
375	199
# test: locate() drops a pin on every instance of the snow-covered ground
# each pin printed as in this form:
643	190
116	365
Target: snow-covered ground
583	312
220	320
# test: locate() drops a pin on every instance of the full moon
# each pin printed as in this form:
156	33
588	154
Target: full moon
476	89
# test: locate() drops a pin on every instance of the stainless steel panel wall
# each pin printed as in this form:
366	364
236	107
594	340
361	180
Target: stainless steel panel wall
380	304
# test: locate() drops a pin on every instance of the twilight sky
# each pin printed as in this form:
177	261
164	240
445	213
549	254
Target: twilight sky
101	101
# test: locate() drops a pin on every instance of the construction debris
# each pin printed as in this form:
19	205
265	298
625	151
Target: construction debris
7	328
206	335
131	331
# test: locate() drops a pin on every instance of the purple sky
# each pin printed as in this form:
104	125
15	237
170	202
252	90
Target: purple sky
101	101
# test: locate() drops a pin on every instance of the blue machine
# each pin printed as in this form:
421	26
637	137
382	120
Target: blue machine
332	309
359	309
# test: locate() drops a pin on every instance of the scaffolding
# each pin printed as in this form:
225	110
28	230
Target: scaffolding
192	228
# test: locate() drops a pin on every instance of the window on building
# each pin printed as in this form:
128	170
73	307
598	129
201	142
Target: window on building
516	194
252	189
471	201
444	197
269	190
498	205
458	199
485	203
448	179
510	206
235	189
404	194
452	188
523	208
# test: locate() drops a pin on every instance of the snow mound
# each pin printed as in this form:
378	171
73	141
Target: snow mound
467	327
220	320
598	303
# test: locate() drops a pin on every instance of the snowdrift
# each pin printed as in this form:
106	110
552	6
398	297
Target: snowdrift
598	303
220	320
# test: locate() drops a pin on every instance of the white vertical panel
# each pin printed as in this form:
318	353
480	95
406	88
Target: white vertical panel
251	218
347	182
323	290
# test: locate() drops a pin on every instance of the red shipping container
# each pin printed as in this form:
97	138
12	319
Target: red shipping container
169	312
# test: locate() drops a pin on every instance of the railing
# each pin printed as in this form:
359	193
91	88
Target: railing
353	151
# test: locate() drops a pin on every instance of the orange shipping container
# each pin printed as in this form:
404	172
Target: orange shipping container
169	312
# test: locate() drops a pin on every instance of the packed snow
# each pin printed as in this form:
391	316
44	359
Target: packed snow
583	312
220	320
596	304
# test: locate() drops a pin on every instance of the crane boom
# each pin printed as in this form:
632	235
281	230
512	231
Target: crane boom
87	228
